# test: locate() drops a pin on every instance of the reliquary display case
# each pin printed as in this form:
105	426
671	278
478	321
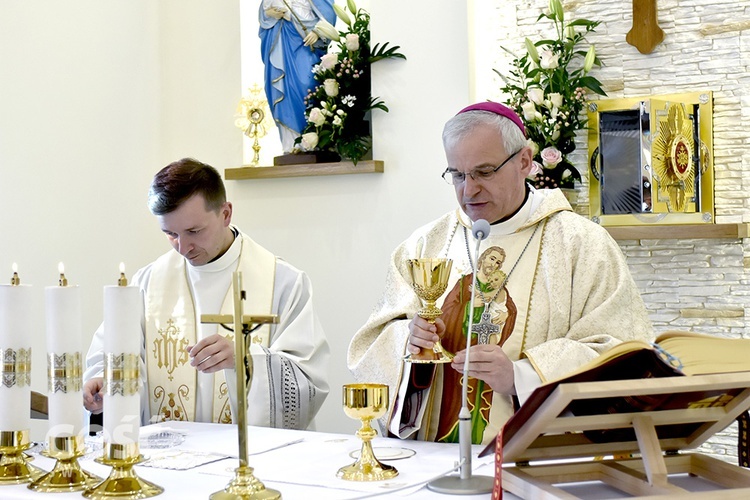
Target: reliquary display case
651	160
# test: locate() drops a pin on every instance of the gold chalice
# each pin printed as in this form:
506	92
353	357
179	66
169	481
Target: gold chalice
365	402
430	279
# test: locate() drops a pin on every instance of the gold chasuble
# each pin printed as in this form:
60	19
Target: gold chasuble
506	266
171	326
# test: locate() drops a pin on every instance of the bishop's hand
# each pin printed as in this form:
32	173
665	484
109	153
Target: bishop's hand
423	334
489	363
212	354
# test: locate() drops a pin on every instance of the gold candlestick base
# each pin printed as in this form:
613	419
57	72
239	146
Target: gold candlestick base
245	486
365	402
67	474
14	464
122	482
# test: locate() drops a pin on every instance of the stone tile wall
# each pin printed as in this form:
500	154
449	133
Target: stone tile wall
700	285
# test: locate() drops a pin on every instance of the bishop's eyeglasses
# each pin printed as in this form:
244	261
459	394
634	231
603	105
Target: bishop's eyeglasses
479	174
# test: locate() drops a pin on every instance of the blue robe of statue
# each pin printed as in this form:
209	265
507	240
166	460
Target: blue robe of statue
288	62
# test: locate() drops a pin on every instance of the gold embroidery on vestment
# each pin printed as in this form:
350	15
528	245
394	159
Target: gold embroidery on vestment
174	407
170	348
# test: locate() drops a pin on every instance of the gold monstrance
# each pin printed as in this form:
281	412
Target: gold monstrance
254	119
244	486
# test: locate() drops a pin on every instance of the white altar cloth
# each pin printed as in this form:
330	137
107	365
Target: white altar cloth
300	464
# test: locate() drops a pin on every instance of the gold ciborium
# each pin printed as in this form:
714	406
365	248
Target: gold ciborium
365	402
430	279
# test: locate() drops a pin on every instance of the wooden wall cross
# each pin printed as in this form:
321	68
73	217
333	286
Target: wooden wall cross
645	33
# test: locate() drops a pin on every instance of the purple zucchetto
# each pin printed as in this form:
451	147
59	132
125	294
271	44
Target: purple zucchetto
498	109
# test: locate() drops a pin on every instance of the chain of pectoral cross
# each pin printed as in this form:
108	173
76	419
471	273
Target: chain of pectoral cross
485	328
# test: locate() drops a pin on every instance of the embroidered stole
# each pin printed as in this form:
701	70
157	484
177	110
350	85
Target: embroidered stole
490	410
171	326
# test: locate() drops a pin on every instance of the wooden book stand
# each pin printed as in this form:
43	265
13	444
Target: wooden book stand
694	408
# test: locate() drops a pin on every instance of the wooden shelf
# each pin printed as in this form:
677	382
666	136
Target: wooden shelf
680	232
305	170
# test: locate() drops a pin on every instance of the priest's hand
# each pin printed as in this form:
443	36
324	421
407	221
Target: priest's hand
92	395
212	354
489	363
423	334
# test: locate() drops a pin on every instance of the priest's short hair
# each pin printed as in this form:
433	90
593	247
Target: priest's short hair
182	179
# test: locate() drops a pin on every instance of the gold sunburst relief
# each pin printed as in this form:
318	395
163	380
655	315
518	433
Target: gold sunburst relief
672	157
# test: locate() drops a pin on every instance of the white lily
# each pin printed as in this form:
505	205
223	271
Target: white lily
341	14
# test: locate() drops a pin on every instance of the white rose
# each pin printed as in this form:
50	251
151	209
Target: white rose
551	156
535	95
529	111
337	121
557	99
329	61
548	59
309	141
316	117
352	42
331	87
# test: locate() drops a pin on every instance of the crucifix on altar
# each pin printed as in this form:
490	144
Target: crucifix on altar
245	485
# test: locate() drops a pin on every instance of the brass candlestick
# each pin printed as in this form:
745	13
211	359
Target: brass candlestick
244	486
64	375
122	482
429	280
121	376
67	474
365	402
14	464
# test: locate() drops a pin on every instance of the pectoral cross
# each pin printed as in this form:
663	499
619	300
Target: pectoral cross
485	327
244	377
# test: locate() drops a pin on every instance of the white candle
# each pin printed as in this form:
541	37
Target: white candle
16	313
64	339
123	306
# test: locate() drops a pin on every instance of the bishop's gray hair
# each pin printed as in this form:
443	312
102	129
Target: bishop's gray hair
463	124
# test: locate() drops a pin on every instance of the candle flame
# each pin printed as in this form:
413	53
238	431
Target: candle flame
122	280
63	280
15	280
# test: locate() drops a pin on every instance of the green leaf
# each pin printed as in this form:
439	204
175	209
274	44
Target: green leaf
383	52
592	83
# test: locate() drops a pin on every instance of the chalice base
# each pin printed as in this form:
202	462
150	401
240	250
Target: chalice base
245	486
123	482
14	467
67	475
438	354
367	471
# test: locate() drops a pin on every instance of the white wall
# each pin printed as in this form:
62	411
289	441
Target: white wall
97	95
78	143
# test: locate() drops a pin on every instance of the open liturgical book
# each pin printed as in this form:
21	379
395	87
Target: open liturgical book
673	354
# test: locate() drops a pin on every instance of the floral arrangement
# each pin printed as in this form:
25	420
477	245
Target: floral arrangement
547	88
337	107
